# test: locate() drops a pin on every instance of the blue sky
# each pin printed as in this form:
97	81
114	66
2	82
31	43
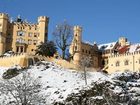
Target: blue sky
102	20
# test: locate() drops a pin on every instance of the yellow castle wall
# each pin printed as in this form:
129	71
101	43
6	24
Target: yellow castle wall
20	59
133	62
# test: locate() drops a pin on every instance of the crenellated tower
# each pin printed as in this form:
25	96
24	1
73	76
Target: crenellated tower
43	22
123	41
3	31
75	48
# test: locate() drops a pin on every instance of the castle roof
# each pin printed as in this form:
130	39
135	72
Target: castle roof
107	46
134	48
87	42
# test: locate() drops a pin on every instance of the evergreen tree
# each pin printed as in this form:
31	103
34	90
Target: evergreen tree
46	49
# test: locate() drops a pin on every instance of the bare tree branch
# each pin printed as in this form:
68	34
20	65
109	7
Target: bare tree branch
63	37
22	90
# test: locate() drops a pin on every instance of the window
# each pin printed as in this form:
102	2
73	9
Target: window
75	48
21	49
35	35
0	33
9	34
21	33
89	52
29	28
29	41
117	63
35	42
20	40
86	51
30	34
17	49
126	62
83	50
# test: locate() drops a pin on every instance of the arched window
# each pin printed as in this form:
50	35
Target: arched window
103	62
118	63
75	48
126	62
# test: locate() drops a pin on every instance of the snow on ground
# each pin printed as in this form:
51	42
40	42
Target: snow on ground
58	82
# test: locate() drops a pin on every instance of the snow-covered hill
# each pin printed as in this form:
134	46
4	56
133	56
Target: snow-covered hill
63	86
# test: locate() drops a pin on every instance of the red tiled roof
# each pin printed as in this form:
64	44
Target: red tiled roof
123	49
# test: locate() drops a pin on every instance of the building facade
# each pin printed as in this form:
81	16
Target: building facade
120	55
21	36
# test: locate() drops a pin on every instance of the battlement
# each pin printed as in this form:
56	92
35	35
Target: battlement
77	28
122	55
43	19
25	24
14	55
16	59
4	15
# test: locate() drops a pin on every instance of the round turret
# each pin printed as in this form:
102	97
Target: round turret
77	58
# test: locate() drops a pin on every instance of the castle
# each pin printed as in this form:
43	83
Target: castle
120	55
21	36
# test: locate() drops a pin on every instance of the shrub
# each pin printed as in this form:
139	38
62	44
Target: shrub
10	73
46	49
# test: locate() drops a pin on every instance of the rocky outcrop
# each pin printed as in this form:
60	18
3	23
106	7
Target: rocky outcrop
121	89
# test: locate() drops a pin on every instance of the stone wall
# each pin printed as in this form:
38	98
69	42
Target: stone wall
19	59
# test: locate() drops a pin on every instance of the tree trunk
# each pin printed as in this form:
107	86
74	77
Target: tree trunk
63	54
85	75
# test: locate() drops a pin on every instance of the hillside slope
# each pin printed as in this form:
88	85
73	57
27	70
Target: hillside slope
67	87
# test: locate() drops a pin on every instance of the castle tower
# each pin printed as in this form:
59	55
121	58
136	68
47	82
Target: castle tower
77	39
75	48
123	41
3	31
43	28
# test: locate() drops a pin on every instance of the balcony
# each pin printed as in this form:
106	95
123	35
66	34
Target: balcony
18	43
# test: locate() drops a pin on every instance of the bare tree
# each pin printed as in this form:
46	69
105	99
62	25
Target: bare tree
21	90
63	36
85	62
